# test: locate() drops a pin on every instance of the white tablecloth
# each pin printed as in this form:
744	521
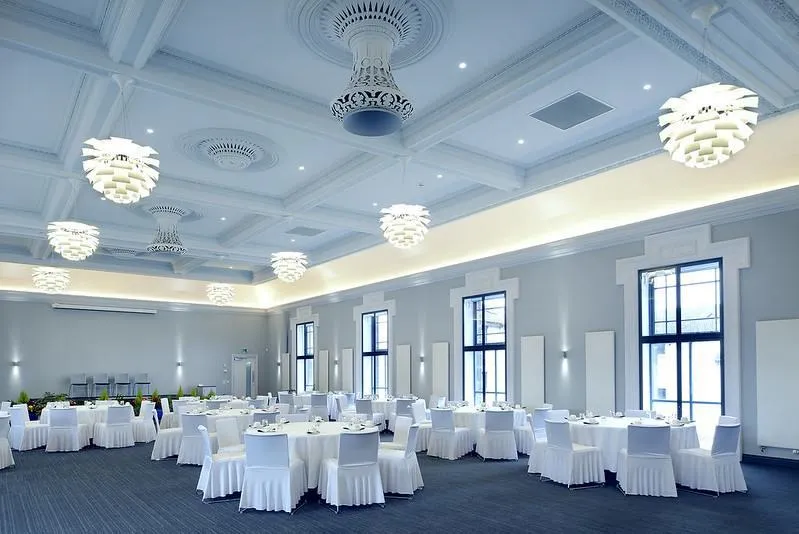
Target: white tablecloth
243	418
610	435
313	449
473	419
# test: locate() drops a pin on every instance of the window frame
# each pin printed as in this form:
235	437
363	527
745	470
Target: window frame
373	352
483	347
308	332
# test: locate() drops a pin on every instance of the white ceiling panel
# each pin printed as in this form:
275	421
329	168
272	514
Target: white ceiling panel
22	192
85	9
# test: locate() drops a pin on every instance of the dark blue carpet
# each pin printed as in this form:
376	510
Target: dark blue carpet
122	491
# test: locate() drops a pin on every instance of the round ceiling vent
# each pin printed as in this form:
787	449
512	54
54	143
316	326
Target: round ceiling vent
321	24
230	150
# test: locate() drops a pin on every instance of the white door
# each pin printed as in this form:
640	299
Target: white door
244	375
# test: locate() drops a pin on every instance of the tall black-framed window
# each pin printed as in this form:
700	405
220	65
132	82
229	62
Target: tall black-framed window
484	348
374	358
305	354
682	340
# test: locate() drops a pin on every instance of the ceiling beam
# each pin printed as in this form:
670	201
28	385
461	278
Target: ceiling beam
653	21
185	265
124	26
780	20
246	229
168	11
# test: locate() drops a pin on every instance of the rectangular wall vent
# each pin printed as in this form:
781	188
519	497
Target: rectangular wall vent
304	231
570	111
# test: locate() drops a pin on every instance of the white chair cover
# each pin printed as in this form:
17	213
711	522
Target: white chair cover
425	427
538	451
5	406
287	399
228	436
446	440
636	413
729	420
6	457
645	467
65	434
192	450
353	479
264	417
301	417
402	408
222	473
26	434
167	443
497	440
117	430
272	481
215	404
401	428
343	410
143	425
364	407
399	469
569	463
319	405
718	469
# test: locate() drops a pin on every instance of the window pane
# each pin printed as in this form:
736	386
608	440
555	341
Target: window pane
309	339
309	381
700	298
501	382
300	340
468	323
468	376
663	369
706	371
368	386
368	321
382	331
479	386
381	374
495	318
490	371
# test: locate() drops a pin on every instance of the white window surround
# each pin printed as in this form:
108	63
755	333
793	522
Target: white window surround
673	248
302	315
481	283
373	302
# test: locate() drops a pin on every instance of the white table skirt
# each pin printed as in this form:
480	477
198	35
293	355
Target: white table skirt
610	435
474	420
86	416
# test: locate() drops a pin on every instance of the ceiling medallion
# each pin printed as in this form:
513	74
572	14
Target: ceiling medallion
289	266
372	105
220	294
404	225
230	150
167	239
50	279
74	241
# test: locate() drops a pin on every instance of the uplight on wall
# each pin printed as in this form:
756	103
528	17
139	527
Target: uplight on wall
180	364
565	354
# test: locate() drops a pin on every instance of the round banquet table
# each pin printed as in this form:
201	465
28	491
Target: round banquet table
313	449
610	435
87	415
243	418
474	419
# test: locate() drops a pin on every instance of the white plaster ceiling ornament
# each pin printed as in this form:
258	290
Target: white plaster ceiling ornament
404	225
74	241
167	238
50	279
709	124
372	105
119	169
230	150
220	294
289	266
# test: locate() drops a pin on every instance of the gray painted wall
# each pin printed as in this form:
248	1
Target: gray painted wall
565	297
52	344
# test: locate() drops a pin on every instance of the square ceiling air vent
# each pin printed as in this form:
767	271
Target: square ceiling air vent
304	231
570	111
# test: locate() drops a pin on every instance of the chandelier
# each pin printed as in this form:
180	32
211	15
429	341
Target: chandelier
709	124
220	294
289	266
167	238
404	225
73	240
50	279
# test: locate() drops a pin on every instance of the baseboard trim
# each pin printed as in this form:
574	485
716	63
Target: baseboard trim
770	460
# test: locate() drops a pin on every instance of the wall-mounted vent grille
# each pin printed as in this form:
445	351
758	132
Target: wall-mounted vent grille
568	112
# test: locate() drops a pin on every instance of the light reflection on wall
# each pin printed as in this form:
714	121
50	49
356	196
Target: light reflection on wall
179	357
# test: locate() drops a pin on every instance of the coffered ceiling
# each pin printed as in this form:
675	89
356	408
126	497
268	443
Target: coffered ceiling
262	74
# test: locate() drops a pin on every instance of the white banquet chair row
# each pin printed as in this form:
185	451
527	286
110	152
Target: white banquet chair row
26	434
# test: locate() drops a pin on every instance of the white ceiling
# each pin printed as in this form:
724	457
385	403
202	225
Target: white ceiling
241	65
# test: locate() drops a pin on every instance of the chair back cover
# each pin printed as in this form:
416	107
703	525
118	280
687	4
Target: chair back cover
208	452
190	422
64	418
285	398
215	404
339	406
418	410
404	407
725	440
499	421
19	415
559	434
77	380
357	448
165	405
157	422
557	415
101	378
319	400
363	407
227	432
350	399
5	426
401	426
267	450
648	440
269	417
118	415
122	378
410	444
540	415
4	406
442	419
728	420
146	410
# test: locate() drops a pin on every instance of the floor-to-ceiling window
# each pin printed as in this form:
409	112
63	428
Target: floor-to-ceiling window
305	352
682	349
374	358
484	348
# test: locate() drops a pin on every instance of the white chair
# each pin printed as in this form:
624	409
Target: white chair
78	382
302	417
228	435
319	405
272	480
6	457
718	469
117	430
143	426
215	404
643	414
26	434
169	419
344	412
222	473
353	479
446	440
425	426
570	463
142	382
399	469
401	427
402	407
264	417
192	450
538	450
729	420
167	443
363	407
645	467
64	433
286	398
100	380
5	406
122	384
497	440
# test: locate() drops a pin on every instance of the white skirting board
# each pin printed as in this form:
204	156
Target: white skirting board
777	349
439	370
600	372
532	372
347	370
285	371
321	365
402	377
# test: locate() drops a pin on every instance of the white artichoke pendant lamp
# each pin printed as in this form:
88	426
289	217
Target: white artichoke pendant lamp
74	241
404	225
50	279
220	294
711	123
289	266
119	169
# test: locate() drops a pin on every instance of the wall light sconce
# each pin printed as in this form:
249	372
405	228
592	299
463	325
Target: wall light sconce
565	354
180	364
421	358
14	364
335	362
